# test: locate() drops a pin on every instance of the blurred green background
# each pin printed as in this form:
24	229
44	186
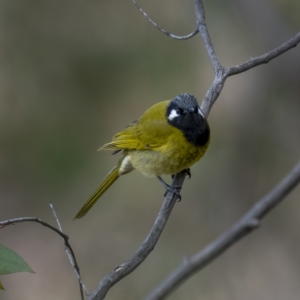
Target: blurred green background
73	73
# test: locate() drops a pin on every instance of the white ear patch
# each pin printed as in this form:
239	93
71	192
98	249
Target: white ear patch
200	112
173	114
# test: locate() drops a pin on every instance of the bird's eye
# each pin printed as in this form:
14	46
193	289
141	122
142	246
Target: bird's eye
179	111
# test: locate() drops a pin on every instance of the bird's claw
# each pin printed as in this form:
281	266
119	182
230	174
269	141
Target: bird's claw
175	190
188	172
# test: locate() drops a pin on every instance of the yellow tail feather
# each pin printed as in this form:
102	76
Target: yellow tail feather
112	176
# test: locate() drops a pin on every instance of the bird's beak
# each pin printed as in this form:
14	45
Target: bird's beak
189	110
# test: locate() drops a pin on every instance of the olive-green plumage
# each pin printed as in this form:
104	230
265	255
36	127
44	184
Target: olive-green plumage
169	137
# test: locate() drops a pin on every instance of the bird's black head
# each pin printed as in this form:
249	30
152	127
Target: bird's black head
184	113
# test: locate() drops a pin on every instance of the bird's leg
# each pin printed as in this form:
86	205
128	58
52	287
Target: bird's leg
169	188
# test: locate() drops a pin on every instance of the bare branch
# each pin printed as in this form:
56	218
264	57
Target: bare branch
265	58
251	220
171	35
246	225
32	219
69	249
211	96
222	74
71	256
202	27
55	216
213	93
145	249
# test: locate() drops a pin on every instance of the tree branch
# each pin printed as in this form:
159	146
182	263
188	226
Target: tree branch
246	225
211	96
251	219
71	255
68	247
171	35
223	73
202	27
145	249
265	58
32	219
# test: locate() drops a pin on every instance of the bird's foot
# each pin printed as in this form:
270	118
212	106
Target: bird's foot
172	189
188	172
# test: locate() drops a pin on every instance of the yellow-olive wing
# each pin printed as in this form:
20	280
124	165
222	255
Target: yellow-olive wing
150	132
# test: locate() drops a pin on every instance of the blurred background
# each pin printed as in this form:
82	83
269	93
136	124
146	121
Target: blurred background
73	73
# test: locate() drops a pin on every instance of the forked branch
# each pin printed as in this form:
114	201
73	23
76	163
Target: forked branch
247	224
222	73
68	248
240	229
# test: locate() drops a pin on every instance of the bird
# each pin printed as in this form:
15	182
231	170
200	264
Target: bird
168	138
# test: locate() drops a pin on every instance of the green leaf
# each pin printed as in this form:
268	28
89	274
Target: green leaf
11	262
1	286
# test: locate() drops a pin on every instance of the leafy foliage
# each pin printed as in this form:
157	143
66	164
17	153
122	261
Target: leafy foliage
11	262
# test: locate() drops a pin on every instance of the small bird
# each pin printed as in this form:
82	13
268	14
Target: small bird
169	137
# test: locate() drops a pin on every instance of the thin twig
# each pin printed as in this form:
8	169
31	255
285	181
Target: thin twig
145	249
202	27
265	58
171	35
221	73
59	232
32	219
220	77
213	93
249	222
55	216
71	255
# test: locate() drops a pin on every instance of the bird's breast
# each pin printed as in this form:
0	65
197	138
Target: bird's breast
173	156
